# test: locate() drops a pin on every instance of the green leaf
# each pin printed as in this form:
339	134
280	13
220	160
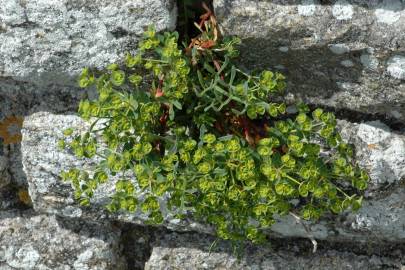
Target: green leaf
177	104
112	67
360	184
171	112
356	204
84	202
251	112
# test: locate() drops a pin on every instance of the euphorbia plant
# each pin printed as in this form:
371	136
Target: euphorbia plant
207	138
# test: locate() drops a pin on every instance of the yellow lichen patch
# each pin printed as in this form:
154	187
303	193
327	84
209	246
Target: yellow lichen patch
24	196
10	129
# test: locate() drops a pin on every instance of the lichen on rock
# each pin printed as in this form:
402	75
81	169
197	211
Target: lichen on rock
33	241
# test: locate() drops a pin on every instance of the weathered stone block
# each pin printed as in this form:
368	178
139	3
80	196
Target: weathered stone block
51	41
32	241
45	44
378	149
346	54
175	251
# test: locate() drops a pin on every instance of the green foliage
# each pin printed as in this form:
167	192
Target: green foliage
208	137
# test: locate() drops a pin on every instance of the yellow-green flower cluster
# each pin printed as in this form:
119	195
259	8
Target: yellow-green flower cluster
190	131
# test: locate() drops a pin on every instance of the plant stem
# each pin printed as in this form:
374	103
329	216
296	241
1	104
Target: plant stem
293	179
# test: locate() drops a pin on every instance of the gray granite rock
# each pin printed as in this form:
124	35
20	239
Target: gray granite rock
43	166
4	175
45	44
51	41
378	149
175	251
23	98
381	218
346	54
32	241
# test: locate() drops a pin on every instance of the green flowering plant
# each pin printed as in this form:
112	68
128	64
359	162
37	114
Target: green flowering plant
209	138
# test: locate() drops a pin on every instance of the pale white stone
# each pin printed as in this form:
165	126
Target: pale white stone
347	63
339	48
396	67
307	8
26	257
373	132
396	114
283	49
383	152
369	61
11	12
71	211
342	10
29	241
389	11
82	260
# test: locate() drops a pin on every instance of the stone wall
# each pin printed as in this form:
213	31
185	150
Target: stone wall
348	56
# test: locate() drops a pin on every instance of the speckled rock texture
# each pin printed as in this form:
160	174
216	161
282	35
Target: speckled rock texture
43	162
30	241
174	251
49	42
43	47
345	54
45	44
378	149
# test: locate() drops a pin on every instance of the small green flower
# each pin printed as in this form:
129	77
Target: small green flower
180	124
301	118
265	141
252	113
151	32
139	169
189	145
209	138
135	79
118	77
317	114
219	147
264	151
239	90
199	154
273	110
204	167
148	65
233	145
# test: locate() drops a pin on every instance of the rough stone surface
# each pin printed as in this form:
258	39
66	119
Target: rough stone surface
378	149
20	99
31	241
43	47
51	41
42	167
345	54
175	251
